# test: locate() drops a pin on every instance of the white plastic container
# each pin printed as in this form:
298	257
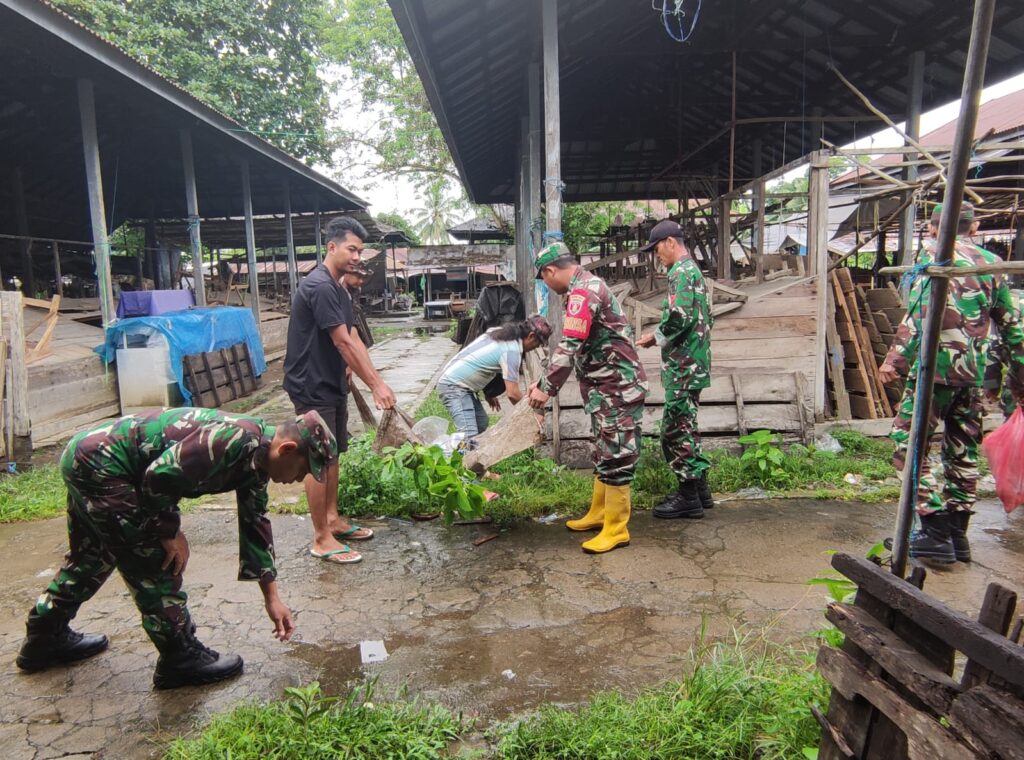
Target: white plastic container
145	379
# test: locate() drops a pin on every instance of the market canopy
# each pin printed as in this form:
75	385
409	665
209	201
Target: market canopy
641	114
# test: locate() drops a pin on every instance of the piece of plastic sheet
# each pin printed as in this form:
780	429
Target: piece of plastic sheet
1004	448
188	332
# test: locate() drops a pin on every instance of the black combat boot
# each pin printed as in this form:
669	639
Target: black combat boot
684	503
50	641
958	522
704	492
187	662
934	541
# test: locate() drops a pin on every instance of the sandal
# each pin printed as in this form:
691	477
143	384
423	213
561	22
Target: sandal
350	534
333	556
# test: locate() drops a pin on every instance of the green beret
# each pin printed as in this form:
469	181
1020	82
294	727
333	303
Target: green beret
551	253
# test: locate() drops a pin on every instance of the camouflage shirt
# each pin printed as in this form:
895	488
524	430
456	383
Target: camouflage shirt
596	342
150	461
684	332
974	305
998	352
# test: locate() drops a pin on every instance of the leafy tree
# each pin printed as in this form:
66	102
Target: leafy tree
255	62
435	216
397	220
363	38
583	222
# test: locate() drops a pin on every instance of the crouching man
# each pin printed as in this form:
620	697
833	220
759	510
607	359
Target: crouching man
124	481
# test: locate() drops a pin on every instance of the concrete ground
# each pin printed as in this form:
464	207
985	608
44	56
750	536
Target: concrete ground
491	630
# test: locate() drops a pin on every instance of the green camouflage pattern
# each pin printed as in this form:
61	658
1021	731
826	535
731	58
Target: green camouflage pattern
321	446
999	360
124	480
959	408
975	305
680	436
597	344
684	333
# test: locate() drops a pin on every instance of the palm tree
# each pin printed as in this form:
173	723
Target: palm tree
434	218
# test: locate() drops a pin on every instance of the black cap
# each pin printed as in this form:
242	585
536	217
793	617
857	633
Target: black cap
666	228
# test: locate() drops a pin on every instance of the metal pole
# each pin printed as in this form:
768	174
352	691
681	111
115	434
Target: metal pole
915	91
28	283
250	247
974	77
192	203
289	237
319	235
97	212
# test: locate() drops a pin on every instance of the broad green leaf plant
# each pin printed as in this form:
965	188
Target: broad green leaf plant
442	482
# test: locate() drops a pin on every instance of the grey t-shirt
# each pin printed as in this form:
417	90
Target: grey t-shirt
314	370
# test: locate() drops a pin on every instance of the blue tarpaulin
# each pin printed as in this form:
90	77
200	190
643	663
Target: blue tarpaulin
193	331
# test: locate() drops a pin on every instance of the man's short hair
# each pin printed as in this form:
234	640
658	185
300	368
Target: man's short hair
563	262
340	226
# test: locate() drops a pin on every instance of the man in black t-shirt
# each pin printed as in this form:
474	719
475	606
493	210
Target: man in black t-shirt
322	344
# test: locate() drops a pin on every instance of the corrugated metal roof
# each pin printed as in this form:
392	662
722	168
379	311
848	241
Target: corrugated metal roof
641	114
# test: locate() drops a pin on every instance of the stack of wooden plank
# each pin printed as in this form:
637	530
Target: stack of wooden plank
855	328
216	377
886	310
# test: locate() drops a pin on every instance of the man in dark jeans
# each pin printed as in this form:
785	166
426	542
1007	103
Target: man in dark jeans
322	344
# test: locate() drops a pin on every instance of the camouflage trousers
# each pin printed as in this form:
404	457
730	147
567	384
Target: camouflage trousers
617	442
101	541
960	411
680	437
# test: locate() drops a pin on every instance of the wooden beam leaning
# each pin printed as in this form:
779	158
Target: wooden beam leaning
19	427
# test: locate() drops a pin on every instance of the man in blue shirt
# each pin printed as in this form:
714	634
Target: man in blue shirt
497	354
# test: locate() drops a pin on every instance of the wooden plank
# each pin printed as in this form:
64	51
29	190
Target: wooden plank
767	328
778	306
883	298
76	396
991	719
851	349
926	738
575	423
835	363
934	687
3	387
777	387
62	427
756	348
854	381
741	422
862	408
996	614
19	423
969	636
236	391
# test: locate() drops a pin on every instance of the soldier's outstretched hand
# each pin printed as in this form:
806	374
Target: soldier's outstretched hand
538	398
281	617
176	550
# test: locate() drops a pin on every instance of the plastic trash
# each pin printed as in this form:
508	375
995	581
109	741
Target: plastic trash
826	442
431	430
372	651
509	675
1003	448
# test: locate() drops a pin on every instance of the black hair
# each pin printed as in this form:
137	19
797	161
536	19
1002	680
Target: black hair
511	331
563	262
339	226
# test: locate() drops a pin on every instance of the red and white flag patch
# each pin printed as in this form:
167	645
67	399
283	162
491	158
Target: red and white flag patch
577	315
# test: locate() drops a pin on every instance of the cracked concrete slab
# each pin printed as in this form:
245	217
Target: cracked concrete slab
453	617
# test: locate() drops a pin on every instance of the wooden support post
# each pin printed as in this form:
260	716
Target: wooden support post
56	268
758	242
250	247
97	212
534	177
724	239
524	263
552	177
192	204
28	282
318	231
289	237
817	264
732	127
915	92
19	424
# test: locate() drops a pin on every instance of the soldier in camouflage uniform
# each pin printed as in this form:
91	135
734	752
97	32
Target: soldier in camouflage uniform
997	390
124	481
596	342
684	336
974	305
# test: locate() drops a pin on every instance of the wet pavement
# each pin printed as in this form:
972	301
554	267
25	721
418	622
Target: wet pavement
491	630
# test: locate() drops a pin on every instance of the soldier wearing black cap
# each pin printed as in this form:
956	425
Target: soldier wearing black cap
684	335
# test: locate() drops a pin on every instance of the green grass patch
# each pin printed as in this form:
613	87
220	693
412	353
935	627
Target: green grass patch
309	725
747	698
32	495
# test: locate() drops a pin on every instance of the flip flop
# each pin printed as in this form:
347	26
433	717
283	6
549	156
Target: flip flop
330	556
349	535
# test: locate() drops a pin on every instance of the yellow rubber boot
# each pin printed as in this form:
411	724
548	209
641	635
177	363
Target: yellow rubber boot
616	516
594	518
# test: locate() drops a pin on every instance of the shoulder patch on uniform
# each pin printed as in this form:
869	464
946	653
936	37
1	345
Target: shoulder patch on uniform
577	314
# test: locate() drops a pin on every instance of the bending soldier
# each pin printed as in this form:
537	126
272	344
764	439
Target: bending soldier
596	343
124	481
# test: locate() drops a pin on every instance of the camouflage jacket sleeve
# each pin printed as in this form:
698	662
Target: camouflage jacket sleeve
581	307
995	360
213	459
904	347
1005	316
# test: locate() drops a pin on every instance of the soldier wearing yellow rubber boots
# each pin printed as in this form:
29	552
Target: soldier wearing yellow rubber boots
596	343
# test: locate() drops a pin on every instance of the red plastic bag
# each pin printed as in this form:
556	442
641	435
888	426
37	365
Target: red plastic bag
1004	448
